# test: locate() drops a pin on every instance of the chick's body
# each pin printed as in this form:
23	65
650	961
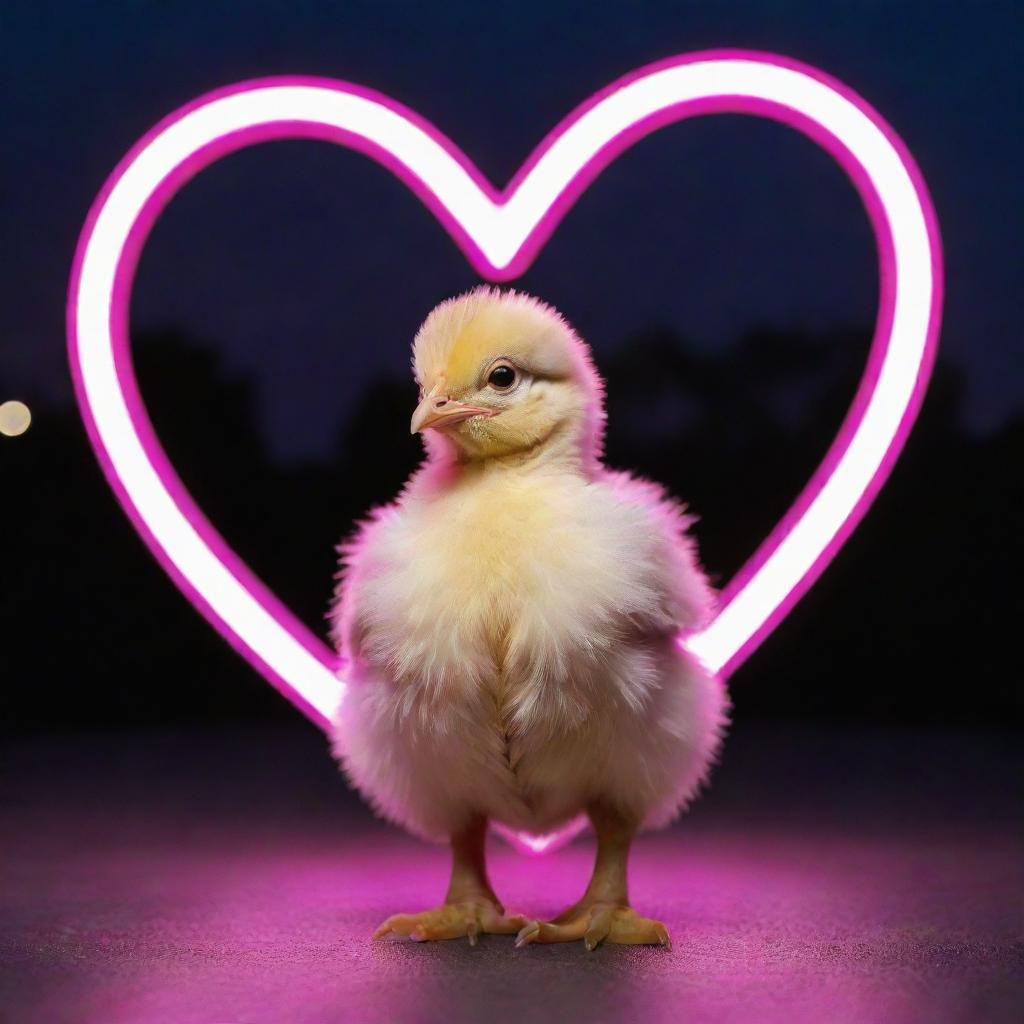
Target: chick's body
510	623
516	653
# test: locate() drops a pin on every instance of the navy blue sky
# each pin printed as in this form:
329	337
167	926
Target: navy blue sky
309	268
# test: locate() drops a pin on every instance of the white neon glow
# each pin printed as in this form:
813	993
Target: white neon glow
537	844
500	231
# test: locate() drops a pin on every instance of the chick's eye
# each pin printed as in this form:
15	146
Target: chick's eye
502	377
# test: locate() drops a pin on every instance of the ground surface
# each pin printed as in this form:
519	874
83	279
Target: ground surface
229	878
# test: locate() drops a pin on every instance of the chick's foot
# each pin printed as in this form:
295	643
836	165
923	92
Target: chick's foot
464	918
595	923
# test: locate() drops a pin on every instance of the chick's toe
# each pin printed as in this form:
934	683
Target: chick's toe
464	919
595	923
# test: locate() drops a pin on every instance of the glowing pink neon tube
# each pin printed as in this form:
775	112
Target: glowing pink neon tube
501	233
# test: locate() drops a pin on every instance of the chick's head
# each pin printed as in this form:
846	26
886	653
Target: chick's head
501	373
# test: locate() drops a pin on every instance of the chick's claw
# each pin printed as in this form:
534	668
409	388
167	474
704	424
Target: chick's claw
597	923
465	919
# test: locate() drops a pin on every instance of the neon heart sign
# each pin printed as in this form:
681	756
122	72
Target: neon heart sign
500	234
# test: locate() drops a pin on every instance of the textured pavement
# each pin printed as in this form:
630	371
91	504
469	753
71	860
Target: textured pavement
211	877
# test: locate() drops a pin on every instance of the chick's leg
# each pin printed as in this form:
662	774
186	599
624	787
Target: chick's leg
470	906
603	914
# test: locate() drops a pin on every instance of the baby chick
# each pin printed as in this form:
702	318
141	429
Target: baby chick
510	626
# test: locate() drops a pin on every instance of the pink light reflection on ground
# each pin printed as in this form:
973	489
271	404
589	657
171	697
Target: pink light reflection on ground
828	876
241	924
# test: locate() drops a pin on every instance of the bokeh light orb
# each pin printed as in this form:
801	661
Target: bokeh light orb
15	418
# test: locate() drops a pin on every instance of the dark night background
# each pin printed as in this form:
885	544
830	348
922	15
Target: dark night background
278	295
723	271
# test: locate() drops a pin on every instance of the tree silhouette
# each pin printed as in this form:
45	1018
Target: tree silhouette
911	622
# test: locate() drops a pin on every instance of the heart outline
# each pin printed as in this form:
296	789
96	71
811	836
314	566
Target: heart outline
320	689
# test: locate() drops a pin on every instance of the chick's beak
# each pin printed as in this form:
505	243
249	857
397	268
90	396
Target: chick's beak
438	410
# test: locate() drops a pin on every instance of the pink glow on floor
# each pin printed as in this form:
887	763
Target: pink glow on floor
245	926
